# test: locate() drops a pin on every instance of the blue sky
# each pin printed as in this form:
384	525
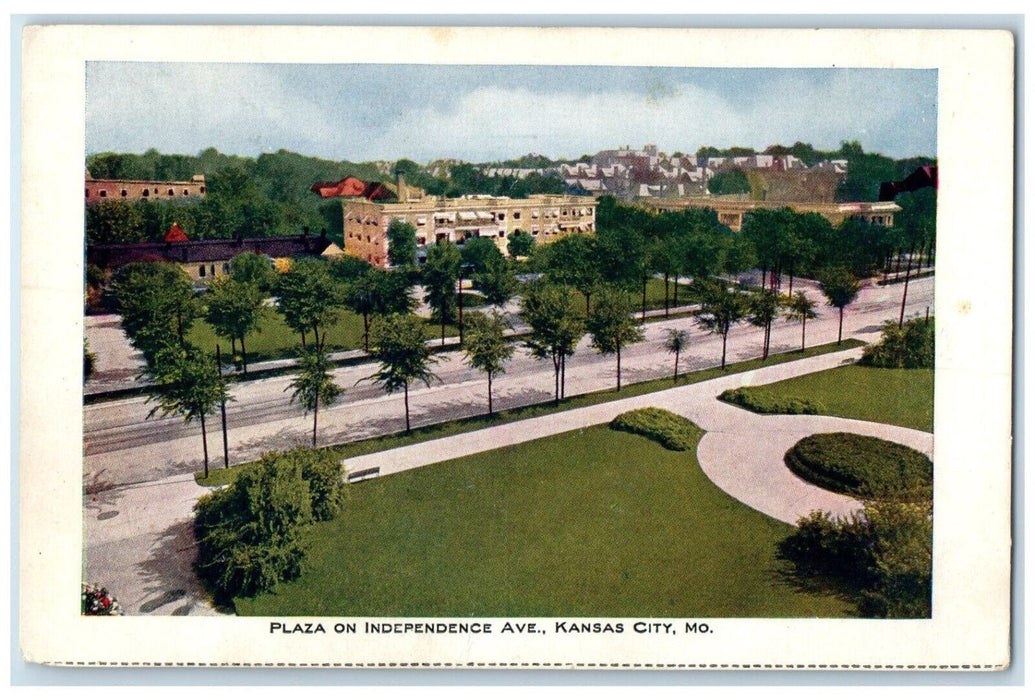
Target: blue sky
482	113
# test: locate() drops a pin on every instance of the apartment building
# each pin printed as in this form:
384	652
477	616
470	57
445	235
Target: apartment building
457	219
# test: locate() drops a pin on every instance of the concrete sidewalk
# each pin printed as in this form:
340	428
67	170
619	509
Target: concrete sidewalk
742	452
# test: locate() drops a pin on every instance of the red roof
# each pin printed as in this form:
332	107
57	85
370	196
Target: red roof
175	235
352	187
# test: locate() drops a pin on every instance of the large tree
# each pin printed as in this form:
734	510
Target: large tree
402	244
486	347
440	275
314	382
721	309
308	298
520	244
555	326
185	382
840	287
234	309
497	282
572	261
611	326
252	268
403	355
156	304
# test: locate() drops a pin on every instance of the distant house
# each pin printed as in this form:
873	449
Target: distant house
207	260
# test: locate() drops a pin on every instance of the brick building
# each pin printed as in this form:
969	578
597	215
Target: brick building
455	219
204	261
137	190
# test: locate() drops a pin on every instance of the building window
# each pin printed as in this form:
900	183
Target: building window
517	215
202	189
123	193
104	193
226	268
501	216
212	268
87	194
171	193
185	193
201	270
146	192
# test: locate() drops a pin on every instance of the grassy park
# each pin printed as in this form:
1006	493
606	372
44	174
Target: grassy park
902	397
589	523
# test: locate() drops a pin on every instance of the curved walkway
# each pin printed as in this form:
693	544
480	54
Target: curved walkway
741	452
746	461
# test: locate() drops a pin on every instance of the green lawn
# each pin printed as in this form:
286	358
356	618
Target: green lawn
902	397
275	340
590	523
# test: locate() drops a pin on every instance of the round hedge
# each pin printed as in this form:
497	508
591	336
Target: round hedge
862	466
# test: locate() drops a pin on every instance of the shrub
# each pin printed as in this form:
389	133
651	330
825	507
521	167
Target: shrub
670	430
763	401
909	347
249	534
862	466
884	555
322	471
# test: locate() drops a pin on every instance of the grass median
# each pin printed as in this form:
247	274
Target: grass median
903	397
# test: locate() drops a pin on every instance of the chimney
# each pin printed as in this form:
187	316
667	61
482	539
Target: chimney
401	186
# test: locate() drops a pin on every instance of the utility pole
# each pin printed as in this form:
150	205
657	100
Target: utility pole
222	410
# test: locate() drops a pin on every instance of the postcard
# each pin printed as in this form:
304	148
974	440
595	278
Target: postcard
522	348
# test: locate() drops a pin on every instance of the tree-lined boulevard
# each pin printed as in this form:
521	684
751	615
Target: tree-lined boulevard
124	447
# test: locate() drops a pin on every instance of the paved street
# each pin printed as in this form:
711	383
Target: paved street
124	447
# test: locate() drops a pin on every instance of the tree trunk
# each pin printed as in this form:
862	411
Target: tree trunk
840	323
244	356
619	354
765	341
587	303
490	393
803	334
675	370
366	332
303	340
442	315
723	365
406	404
556	380
564	367
643	301
316	413
204	443
666	295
